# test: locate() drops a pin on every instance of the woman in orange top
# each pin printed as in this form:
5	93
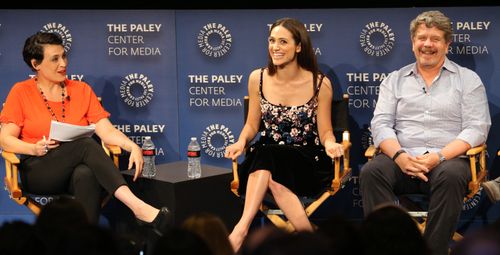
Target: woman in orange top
79	167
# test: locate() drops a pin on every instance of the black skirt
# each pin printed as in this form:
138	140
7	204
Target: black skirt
305	170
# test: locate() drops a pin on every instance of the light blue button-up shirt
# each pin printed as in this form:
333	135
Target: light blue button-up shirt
454	107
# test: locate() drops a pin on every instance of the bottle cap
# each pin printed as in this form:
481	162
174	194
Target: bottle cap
147	137
193	138
345	136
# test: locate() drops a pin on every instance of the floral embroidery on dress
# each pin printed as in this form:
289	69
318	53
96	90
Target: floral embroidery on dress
290	125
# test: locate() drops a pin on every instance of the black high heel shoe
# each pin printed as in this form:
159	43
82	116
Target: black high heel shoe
161	223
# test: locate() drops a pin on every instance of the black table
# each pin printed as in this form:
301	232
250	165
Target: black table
171	187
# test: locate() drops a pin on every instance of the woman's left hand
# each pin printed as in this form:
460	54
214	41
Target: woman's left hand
333	149
137	160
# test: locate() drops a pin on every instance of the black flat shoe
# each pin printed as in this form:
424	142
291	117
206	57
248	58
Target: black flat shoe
161	223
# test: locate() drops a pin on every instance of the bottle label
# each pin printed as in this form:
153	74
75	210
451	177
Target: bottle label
193	153
148	152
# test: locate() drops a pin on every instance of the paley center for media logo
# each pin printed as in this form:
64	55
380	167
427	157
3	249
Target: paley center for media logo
215	138
214	40
62	31
136	90
377	39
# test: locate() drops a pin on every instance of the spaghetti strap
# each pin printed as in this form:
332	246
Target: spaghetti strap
319	84
261	79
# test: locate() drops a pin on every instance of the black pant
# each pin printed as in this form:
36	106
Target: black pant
381	180
80	168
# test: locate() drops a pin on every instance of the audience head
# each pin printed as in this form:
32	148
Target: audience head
294	244
343	235
258	236
58	219
485	241
390	230
19	238
89	240
178	241
212	230
63	211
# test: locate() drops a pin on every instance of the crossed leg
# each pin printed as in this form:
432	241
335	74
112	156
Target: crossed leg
257	185
291	206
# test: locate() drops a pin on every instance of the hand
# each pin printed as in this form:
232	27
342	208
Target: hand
137	160
412	166
43	146
430	160
234	150
333	149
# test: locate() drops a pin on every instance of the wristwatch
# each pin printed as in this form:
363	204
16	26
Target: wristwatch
441	157
396	155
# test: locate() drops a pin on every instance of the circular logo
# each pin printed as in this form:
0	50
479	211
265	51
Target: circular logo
214	40
136	90
215	139
376	39
473	201
62	31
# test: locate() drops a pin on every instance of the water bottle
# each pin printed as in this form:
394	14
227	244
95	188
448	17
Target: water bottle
194	164
148	153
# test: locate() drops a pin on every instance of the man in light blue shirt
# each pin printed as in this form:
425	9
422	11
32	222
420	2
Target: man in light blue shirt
427	115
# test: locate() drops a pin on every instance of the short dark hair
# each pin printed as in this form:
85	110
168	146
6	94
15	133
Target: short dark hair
33	46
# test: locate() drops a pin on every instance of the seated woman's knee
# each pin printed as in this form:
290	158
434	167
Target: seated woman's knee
82	172
87	141
275	187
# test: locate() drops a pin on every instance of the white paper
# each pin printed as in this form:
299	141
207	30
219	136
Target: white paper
65	132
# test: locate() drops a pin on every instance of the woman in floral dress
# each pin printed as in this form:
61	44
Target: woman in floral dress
293	155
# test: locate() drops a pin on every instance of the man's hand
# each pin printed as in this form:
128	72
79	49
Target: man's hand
430	160
413	166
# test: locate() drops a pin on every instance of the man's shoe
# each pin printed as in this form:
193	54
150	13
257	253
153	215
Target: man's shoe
492	189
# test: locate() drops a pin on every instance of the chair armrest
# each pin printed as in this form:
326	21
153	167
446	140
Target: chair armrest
113	151
11	176
347	145
370	152
10	157
476	150
341	176
478	176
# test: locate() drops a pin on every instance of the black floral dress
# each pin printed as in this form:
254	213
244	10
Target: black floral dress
289	148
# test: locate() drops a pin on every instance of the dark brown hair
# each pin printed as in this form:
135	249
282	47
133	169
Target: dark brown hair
305	58
33	46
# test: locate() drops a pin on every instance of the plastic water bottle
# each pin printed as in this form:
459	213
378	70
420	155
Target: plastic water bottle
194	159
148	153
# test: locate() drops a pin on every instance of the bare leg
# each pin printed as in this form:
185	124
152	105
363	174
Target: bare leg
291	206
141	210
257	185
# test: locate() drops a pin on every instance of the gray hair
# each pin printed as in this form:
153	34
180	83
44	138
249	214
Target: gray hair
433	19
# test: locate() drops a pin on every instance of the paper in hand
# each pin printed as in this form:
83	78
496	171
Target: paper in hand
64	132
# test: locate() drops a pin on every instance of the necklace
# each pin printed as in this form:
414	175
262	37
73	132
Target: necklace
63	97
